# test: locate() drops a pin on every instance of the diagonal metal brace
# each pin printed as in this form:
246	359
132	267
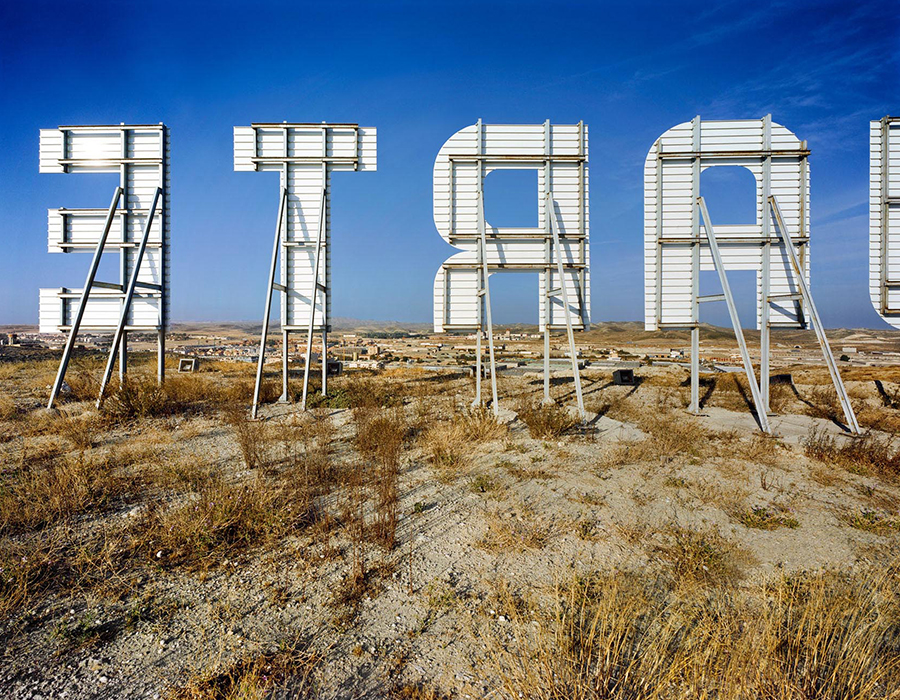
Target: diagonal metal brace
735	321
266	314
814	314
129	295
89	283
557	252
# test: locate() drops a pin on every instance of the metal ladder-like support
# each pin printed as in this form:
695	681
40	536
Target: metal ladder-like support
561	291
483	294
269	290
129	296
732	311
89	283
814	314
312	307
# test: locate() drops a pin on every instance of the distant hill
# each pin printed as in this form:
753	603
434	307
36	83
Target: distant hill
609	332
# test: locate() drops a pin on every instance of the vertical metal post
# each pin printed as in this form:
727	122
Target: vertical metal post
479	277
312	299
885	212
486	291
814	314
89	282
123	357
123	255
269	289
547	398
477	401
765	277
285	334
732	311
129	295
565	298
659	230
285	392
695	369
161	353
163	227
695	268
324	362
548	270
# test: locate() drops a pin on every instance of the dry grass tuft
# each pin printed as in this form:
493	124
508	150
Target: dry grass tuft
81	431
873	521
290	669
518	532
415	691
380	437
823	402
869	454
546	421
767	518
253	437
670	437
8	408
480	425
223	520
448	444
612	636
360	392
45	492
699	556
137	397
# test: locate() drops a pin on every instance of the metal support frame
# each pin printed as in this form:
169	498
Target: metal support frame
269	290
82	303
312	306
123	162
697	156
732	311
548	236
129	295
286	160
557	250
796	265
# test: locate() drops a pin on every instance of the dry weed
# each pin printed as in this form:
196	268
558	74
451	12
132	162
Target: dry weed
8	408
253	438
448	444
222	521
518	532
290	670
380	437
767	518
869	454
81	431
546	421
41	493
699	556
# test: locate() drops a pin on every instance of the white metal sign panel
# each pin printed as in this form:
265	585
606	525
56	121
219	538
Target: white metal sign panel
559	155
884	218
140	155
305	155
675	246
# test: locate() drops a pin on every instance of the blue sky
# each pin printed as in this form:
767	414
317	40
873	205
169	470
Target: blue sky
419	71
